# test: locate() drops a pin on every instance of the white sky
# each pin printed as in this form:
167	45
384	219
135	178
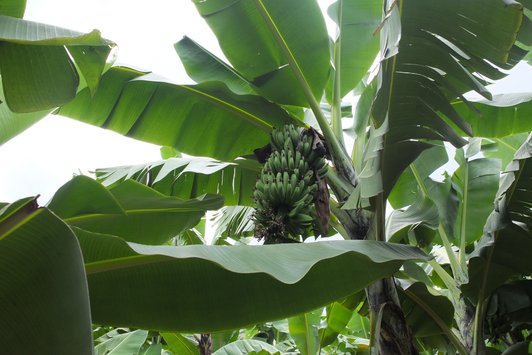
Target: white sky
44	157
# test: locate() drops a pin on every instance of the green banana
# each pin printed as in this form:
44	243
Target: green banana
287	186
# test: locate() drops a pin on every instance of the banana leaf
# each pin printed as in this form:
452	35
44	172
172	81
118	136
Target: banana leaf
199	289
206	119
44	297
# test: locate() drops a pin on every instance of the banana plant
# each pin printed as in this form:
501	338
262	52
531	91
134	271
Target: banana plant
281	63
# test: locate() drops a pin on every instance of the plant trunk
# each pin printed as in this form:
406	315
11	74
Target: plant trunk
205	344
465	316
394	337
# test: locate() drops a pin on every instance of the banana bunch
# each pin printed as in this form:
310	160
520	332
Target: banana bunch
286	189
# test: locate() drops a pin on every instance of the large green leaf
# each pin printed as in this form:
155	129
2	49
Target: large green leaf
210	288
201	65
192	177
129	210
504	250
357	44
441	45
504	115
248	43
37	70
44	298
206	119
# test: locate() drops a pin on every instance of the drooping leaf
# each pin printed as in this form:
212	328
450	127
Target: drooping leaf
194	119
201	65
192	177
503	250
248	44
37	71
91	62
44	298
129	210
35	85
187	284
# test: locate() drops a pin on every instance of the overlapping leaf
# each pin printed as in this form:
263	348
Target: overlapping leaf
206	119
37	63
186	285
249	45
191	177
43	291
129	210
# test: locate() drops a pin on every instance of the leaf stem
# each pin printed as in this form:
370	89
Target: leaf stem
461	249
336	109
340	158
